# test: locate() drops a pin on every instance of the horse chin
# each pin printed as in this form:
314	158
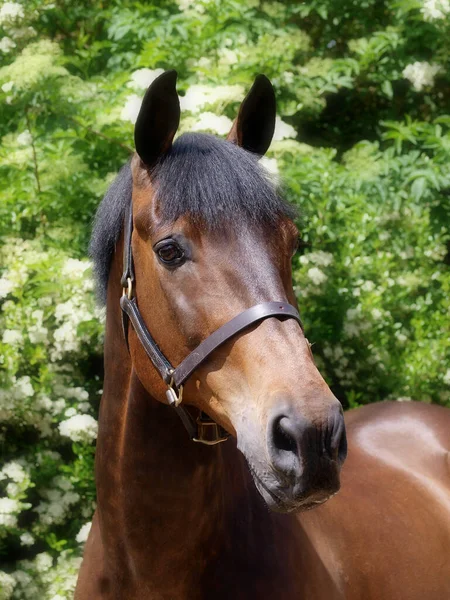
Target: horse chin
283	504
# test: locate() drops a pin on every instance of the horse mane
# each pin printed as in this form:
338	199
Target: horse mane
207	178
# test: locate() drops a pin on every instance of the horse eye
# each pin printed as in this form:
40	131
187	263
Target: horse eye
170	253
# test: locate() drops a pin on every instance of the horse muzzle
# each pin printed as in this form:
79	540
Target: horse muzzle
305	459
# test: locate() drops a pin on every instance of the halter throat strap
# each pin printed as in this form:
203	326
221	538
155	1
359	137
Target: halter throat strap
202	429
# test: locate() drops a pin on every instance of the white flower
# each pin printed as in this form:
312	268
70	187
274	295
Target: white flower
26	539
288	77
320	258
316	275
79	428
12	336
8	511
77	392
6	45
142	78
74	268
435	9
188	4
9	506
24	138
14	471
37	334
10	12
8	86
131	109
227	57
23	388
43	562
70	412
82	535
353	313
376	313
404	399
283	130
7	585
203	63
401	337
351	329
421	74
198	96
271	166
208	121
368	286
6	286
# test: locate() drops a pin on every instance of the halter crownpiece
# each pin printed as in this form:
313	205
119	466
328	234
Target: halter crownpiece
202	429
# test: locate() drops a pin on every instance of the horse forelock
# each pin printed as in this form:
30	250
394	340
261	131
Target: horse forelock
211	181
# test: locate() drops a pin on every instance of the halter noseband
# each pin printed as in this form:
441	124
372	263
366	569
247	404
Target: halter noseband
202	429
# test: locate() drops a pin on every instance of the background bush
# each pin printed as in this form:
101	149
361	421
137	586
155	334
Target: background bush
362	145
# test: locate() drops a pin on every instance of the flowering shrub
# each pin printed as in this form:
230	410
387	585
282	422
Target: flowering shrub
362	147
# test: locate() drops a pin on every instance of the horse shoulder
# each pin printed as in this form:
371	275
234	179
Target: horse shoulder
391	519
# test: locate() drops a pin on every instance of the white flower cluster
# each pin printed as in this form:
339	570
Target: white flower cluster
21	390
142	78
75	269
57	501
6	286
283	131
6	45
79	428
196	5
421	74
317	276
7	585
24	138
270	165
208	121
17	477
11	12
319	258
435	9
340	362
9	509
42	578
199	96
355	323
314	273
131	109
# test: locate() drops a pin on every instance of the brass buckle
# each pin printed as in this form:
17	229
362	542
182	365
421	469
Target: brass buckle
128	291
209	433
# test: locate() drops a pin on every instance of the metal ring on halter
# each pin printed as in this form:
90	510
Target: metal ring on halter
128	291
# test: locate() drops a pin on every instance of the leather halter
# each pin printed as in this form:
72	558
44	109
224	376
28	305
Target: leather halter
202	429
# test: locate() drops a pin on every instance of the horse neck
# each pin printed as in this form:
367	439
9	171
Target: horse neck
163	500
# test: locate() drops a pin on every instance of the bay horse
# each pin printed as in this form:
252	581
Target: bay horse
192	246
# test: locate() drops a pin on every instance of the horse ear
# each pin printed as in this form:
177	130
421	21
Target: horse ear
158	119
254	126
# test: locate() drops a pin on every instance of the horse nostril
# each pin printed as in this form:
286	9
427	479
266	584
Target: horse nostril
342	450
335	443
282	438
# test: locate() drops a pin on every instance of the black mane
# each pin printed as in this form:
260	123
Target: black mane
207	178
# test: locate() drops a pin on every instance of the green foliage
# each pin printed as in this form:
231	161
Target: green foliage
362	147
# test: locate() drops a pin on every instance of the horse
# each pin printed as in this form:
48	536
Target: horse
192	247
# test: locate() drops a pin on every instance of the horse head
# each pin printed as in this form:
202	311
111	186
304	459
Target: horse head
211	238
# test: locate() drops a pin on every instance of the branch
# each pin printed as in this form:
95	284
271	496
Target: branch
33	146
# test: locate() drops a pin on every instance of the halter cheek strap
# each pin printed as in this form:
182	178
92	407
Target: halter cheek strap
203	429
